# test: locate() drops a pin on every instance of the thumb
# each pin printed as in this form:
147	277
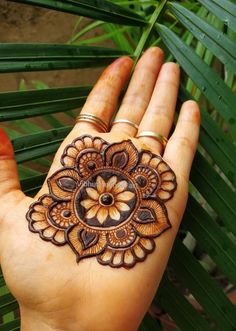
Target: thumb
9	180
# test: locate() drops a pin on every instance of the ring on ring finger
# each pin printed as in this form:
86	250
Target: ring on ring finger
150	134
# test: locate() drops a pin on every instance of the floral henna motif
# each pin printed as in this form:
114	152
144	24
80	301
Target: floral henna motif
107	201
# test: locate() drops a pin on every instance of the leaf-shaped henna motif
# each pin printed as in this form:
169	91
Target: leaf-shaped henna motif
107	201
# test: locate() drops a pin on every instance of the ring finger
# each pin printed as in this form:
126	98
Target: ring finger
158	118
139	92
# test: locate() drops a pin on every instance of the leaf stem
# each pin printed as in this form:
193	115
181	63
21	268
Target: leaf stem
148	30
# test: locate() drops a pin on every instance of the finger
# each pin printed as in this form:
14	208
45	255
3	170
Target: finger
182	145
9	180
159	115
139	91
102	100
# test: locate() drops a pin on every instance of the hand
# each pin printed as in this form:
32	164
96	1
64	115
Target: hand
53	291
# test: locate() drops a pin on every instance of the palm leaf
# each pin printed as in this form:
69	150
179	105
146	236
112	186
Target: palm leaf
102	10
211	237
179	308
53	57
17	105
223	9
39	144
212	86
204	289
219	44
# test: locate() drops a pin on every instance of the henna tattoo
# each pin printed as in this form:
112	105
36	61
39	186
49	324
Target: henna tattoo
107	201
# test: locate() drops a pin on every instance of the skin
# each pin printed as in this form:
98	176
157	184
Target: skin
54	292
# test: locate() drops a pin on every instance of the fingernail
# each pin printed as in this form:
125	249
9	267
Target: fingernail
6	148
121	60
191	112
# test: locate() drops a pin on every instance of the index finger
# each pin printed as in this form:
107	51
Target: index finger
103	98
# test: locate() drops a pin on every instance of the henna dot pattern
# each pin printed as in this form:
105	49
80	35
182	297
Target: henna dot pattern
107	201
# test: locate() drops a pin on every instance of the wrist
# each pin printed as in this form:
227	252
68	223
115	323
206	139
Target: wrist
33	320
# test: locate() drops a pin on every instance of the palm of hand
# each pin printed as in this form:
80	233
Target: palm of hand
45	278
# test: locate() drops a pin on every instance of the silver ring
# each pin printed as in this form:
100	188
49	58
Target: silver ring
161	139
92	119
126	122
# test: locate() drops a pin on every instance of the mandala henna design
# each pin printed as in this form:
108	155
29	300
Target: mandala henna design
107	201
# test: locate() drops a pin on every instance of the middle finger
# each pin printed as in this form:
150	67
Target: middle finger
139	92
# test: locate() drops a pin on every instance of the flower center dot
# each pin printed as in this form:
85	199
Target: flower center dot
91	165
66	213
106	199
142	181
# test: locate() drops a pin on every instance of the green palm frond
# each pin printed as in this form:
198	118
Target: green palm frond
200	36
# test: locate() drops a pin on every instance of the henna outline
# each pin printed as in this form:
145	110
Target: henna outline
114	223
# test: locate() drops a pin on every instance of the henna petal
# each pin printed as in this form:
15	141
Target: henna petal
92	193
41	208
156	223
79	144
41	225
129	259
60	237
63	183
167	185
111	183
37	217
147	244
46	200
120	187
143	247
102	215
101	185
88	141
123	155
99	144
168	176
114	214
69	161
145	215
87	239
72	152
163	167
95	246
145	157
122	206
117	259
155	161
49	232
164	195
139	252
106	256
92	211
125	196
88	203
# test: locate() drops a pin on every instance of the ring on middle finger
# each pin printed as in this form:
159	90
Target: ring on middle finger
134	125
